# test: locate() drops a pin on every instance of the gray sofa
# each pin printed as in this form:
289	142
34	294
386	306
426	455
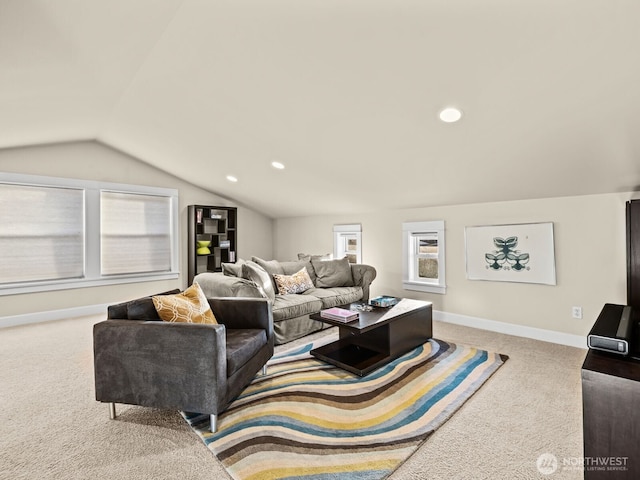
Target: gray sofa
335	282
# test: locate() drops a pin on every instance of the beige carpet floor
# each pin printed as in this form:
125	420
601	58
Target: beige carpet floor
52	428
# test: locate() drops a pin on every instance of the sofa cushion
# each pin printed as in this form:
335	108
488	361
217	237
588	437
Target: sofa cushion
190	306
233	269
242	345
333	273
119	311
138	309
290	268
142	309
309	257
291	306
216	284
254	272
332	297
272	267
297	283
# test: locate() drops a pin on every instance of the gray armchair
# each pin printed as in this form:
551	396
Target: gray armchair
141	360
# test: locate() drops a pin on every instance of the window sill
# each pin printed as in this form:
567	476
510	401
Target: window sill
425	287
80	283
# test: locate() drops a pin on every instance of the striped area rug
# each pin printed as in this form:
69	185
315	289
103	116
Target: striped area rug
309	420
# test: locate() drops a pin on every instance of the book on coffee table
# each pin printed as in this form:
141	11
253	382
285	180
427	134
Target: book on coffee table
339	314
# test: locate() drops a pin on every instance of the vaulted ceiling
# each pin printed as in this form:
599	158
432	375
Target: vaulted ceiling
345	93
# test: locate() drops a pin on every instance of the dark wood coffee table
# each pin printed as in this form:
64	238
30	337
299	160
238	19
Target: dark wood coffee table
378	336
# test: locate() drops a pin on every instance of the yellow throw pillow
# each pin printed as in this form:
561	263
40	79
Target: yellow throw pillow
190	306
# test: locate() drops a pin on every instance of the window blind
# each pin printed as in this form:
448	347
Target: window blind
41	233
135	233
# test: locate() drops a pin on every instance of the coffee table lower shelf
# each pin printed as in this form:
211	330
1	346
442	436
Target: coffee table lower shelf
377	337
349	356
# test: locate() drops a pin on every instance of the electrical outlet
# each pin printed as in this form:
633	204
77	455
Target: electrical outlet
576	312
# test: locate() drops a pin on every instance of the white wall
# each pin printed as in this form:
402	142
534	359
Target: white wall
589	241
590	248
95	161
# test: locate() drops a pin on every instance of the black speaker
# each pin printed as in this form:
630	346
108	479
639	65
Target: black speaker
614	329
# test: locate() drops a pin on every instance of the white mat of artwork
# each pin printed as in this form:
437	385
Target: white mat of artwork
511	253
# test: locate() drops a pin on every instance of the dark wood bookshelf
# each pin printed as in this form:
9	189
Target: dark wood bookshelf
218	227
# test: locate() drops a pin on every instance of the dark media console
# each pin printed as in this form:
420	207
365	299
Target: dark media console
611	395
611	416
611	377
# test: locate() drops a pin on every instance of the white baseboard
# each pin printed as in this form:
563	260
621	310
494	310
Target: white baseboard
38	317
511	329
464	320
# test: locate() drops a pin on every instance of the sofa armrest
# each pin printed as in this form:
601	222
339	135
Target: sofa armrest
238	312
219	285
160	364
363	276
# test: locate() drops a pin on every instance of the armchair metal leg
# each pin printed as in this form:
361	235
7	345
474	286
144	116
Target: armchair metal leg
264	369
213	418
112	411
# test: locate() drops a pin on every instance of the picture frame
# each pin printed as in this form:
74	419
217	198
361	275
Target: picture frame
511	253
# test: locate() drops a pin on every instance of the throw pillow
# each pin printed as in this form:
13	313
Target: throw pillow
190	306
255	273
233	269
333	273
297	283
272	267
290	268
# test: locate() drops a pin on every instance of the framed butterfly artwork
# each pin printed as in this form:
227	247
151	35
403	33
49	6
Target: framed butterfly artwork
511	253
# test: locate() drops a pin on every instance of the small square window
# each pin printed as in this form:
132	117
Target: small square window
347	242
423	256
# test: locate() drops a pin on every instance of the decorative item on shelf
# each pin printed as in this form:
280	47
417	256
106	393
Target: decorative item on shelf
225	243
203	247
232	257
199	215
216	216
383	301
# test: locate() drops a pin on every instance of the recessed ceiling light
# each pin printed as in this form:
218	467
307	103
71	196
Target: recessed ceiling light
277	165
231	178
450	115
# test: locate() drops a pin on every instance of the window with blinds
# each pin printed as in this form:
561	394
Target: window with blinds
41	233
135	233
64	233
